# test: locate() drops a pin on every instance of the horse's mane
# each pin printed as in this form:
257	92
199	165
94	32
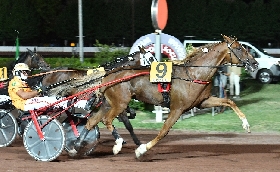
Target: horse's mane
197	52
117	62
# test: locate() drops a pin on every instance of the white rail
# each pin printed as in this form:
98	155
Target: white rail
86	49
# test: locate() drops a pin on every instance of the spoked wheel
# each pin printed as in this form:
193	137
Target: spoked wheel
91	140
8	128
52	145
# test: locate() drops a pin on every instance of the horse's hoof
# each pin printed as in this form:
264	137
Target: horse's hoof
248	129
118	147
140	151
72	152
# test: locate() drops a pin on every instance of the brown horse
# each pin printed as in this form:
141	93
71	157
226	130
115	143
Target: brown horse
189	88
60	77
32	59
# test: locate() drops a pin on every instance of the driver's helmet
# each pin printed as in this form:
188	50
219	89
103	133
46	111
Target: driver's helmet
19	70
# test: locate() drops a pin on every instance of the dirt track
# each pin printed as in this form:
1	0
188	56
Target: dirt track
178	151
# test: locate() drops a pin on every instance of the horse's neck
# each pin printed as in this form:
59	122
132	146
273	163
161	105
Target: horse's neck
209	61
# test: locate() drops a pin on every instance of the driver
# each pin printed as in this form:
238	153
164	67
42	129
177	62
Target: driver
24	98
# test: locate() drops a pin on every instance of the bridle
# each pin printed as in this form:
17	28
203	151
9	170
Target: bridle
35	60
245	63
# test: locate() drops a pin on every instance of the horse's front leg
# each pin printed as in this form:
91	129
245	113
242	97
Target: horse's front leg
169	122
214	101
107	121
124	118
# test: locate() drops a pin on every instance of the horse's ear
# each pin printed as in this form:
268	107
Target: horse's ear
226	38
142	49
30	51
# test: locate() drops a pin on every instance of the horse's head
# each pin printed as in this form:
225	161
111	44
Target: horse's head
239	55
35	60
146	58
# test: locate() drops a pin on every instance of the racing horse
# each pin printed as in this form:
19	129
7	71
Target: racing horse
136	60
189	88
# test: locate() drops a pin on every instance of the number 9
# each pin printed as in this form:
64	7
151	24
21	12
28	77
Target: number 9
161	69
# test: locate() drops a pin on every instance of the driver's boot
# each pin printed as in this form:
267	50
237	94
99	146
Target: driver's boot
79	142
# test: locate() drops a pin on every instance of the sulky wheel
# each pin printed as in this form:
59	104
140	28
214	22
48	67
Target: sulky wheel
8	128
91	140
52	145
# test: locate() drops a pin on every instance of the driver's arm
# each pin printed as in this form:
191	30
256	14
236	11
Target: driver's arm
27	94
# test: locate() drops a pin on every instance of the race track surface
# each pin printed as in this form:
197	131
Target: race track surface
178	151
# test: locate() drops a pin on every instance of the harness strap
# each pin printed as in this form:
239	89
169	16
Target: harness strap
194	81
164	89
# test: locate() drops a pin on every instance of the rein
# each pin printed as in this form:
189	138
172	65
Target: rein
45	73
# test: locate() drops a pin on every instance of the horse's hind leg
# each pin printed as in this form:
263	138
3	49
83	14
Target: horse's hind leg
108	119
131	112
214	101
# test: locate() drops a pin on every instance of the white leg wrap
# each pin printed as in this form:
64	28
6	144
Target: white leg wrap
118	146
72	152
140	150
245	124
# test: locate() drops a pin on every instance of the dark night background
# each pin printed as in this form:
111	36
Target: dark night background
50	23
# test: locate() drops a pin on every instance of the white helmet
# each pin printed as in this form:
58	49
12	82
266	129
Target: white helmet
17	71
